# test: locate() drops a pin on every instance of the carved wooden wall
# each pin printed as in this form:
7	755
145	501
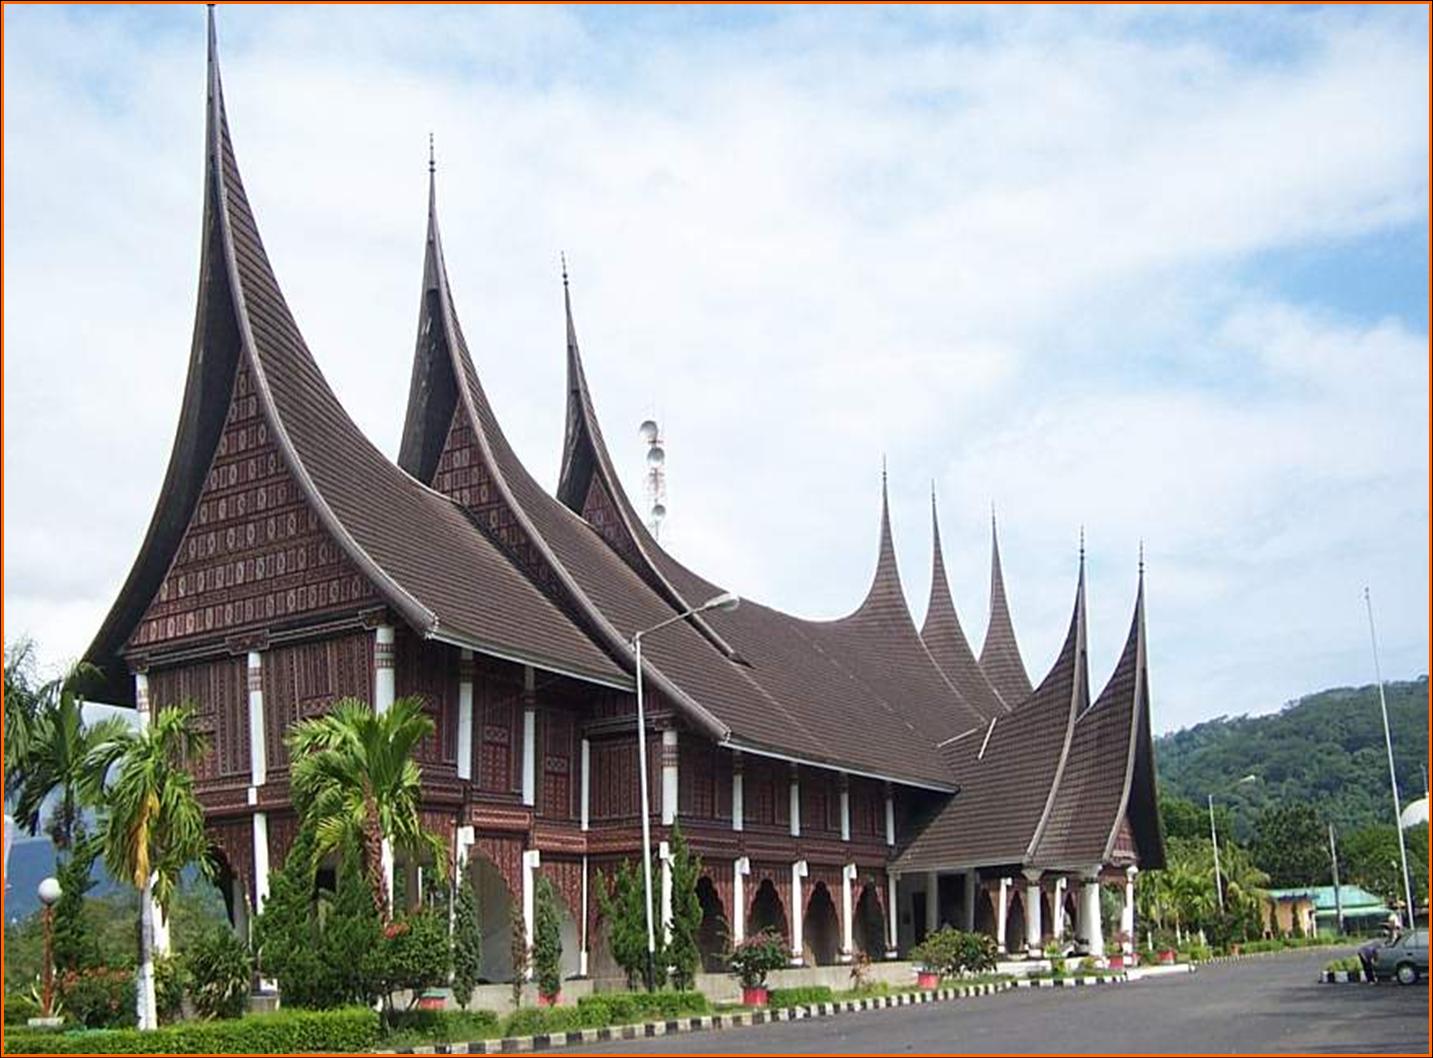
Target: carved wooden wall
560	764
429	670
497	726
614	779
304	679
218	692
255	554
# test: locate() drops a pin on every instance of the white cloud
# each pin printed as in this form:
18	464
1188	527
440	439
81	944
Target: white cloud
1008	249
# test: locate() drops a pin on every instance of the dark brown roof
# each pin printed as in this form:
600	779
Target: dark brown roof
946	641
1000	656
402	536
1008	771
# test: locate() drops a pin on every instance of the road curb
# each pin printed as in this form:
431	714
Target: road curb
1343	977
717	1022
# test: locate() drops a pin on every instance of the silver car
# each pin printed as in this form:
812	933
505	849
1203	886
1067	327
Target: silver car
1405	957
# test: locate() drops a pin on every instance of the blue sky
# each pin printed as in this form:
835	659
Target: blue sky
1158	272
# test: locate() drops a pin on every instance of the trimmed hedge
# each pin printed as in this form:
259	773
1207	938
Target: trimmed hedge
799	997
440	1026
284	1032
619	1008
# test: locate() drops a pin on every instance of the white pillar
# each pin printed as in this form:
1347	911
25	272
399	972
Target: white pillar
892	914
1090	927
384	691
738	793
529	738
798	871
795	803
582	952
465	714
972	881
890	817
531	860
261	860
1057	927
258	755
740	868
1002	908
848	944
586	784
664	855
1127	912
1033	930
932	901
845	808
669	776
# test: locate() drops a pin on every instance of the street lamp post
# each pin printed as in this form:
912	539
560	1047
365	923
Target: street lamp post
724	601
49	892
1392	775
1214	840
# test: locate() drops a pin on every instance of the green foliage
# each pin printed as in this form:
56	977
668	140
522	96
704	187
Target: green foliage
171	978
683	952
21	694
623	907
467	943
77	944
521	957
286	932
283	1032
799	997
547	940
20	1009
1324	749
1369	857
527	1021
98	998
1291	845
416	953
415	1027
621	1008
757	956
952	953
220	970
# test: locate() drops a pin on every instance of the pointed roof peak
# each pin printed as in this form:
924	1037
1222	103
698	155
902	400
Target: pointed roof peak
1000	654
432	157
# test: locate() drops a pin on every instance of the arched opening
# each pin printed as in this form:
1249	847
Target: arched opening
985	911
869	929
821	928
1015	923
714	932
768	912
495	908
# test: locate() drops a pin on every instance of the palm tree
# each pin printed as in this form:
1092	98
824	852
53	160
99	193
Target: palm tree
20	697
357	785
153	825
56	756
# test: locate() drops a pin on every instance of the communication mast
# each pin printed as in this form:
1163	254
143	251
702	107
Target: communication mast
651	433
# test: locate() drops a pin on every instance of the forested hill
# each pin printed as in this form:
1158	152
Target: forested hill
1325	749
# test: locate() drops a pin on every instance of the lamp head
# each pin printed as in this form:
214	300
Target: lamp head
726	601
49	891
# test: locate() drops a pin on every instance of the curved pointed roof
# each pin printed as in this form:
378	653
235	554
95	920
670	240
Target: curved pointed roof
401	536
1009	772
1000	655
945	639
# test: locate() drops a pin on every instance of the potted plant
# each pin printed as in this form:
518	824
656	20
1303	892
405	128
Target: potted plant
1116	960
752	960
942	954
433	999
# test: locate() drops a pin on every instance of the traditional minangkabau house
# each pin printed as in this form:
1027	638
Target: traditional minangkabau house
851	783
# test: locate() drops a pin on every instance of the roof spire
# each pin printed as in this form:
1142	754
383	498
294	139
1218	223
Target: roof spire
432	158
1000	654
562	256
1141	558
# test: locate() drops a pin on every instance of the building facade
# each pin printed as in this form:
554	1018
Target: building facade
850	783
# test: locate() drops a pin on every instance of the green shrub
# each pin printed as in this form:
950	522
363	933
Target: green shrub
407	1027
547	941
525	1021
220	972
952	952
683	949
416	953
20	1009
757	956
467	943
170	978
799	997
98	998
562	1019
284	1032
623	1008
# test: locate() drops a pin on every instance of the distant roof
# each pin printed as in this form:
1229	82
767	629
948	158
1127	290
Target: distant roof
1353	897
1416	812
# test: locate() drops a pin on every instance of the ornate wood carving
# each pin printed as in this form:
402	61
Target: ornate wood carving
566	878
283	829
428	670
558	739
233	841
505	852
304	679
218	692
255	554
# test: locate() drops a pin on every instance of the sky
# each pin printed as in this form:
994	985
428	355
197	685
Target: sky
1158	273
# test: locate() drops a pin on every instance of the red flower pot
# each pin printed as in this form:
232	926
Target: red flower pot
548	1001
1166	957
1117	962
433	999
927	980
753	997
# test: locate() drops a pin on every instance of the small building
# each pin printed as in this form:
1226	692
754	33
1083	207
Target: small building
1315	909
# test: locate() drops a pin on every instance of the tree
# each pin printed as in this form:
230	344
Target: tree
76	943
521	957
547	941
152	826
55	767
683	950
467	943
1369	858
356	784
1291	845
622	903
20	696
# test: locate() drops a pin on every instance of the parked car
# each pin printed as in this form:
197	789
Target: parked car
1405	957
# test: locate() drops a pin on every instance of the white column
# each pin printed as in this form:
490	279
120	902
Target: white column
531	860
465	714
586	784
972	881
1057	927
848	944
740	868
798	871
529	738
669	776
664	855
1033	930
892	915
1127	912
1002	908
845	808
384	691
258	755
1090	927
738	793
582	952
932	901
261	860
795	803
890	817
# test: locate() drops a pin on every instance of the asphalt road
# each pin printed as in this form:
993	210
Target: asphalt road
1266	1004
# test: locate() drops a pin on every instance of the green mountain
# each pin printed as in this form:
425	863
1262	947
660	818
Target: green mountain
1325	749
